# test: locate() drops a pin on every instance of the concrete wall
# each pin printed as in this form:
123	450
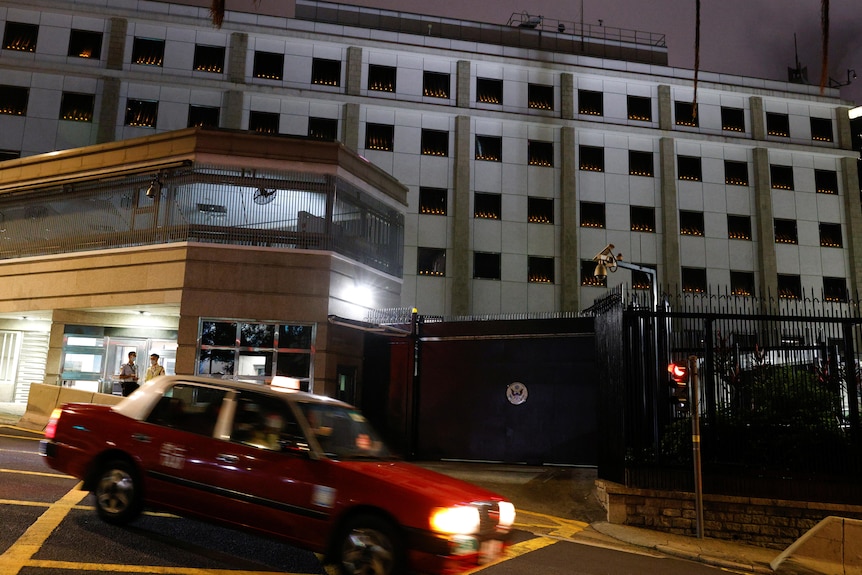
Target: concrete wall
44	398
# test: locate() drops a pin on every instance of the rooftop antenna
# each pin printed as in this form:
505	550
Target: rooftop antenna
799	74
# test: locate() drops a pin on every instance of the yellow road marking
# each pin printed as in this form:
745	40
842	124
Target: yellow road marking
558	526
39	473
516	550
158	570
39	432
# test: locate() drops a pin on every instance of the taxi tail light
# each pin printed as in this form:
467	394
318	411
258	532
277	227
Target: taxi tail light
51	428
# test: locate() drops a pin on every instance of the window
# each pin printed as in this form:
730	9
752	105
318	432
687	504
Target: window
188	407
489	91
433	201
263	122
435	143
789	286
735	173
203	116
592	215
208	59
738	227
489	148
379	137
77	107
268	65
326	72
781	176
540	97
540	153
265	422
826	181
13	100
381	78
642	219
9	155
588	269
486	266
323	128
85	44
777	125
830	236
688	168
435	85
834	289
540	210
148	52
684	114
732	119
785	231
540	270
431	262
592	158
693	280
487	206
20	37
821	129
642	280
639	108
141	113
591	103
641	163
741	283
690	223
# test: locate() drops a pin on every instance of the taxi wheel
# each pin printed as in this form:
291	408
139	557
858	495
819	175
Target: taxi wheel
370	545
117	493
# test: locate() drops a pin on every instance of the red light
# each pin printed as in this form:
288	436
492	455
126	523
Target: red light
679	373
51	428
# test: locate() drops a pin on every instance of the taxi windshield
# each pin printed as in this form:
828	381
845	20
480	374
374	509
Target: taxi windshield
343	433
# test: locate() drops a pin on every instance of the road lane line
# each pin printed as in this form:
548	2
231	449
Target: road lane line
156	570
39	473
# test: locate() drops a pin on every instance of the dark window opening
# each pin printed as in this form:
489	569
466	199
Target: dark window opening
489	91
208	59
540	153
203	116
540	97
9	155
487	206
379	137
642	280
592	158
77	107
148	52
789	286
642	219
781	176
489	148
688	168
323	128
684	112
826	181
486	266
777	125
641	163
732	119
20	37
13	100
785	232
592	215
268	65
142	113
431	262
738	227
263	122
85	44
591	103
435	85
830	236
381	78
690	223
588	277
433	201
742	283
435	143
693	280
540	270
326	72
835	289
639	108
735	173
540	210
821	129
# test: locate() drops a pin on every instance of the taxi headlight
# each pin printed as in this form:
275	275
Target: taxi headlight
455	520
507	513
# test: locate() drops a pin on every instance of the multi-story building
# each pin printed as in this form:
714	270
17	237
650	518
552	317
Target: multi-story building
525	147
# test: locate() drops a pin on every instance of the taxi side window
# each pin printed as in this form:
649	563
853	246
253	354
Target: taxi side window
190	408
266	422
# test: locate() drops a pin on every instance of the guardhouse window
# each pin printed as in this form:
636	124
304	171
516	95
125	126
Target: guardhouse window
639	108
381	78
684	114
435	85
826	181
85	44
540	97
835	289
785	231
489	91
435	143
208	59
540	210
642	219
741	283
20	37
142	113
830	236
591	103
781	176
789	286
588	268
738	227
735	173
732	119
379	137
326	72
688	168
821	129
431	262
592	158
9	155
203	116
148	52
777	125
268	65
489	148
540	153
263	122
323	128
486	266
693	280
592	215
77	107
641	163
642	280
487	206
690	223
540	270
433	201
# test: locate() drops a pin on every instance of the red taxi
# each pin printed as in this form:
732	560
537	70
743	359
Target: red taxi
307	469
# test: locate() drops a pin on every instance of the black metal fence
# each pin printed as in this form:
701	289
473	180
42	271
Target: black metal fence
779	394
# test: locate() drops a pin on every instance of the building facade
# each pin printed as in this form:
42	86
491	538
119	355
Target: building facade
525	147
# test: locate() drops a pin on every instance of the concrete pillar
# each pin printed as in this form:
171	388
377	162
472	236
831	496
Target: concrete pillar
236	57
853	211
567	96
109	111
764	223
672	276
117	43
350	126
354	70
758	118
845	134
233	110
665	108
462	84
462	217
570	261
